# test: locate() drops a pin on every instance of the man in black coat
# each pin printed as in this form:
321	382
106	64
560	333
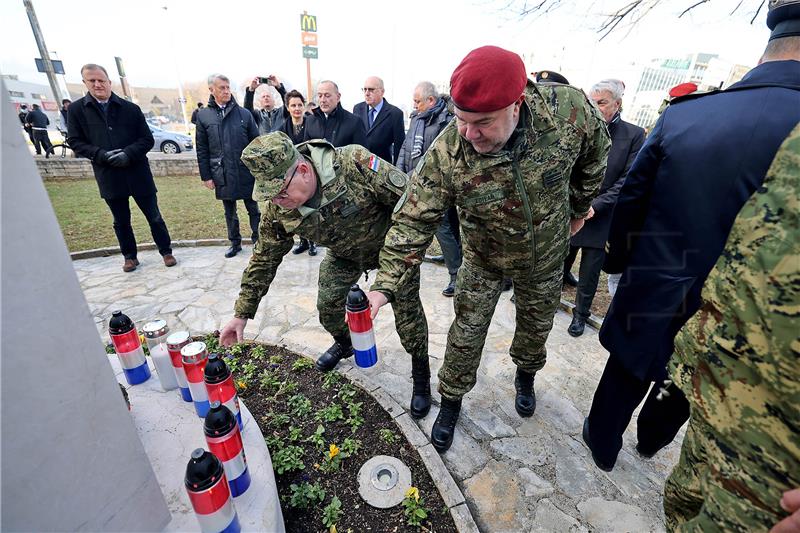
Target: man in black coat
626	140
382	121
330	121
704	158
23	118
223	130
113	133
194	113
39	122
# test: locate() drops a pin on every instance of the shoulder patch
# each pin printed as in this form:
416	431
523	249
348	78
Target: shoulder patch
374	163
397	178
400	203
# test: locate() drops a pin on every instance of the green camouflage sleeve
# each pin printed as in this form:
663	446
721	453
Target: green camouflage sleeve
738	358
416	218
386	182
590	167
273	243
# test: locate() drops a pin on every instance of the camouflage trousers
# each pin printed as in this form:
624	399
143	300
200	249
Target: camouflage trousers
724	485
477	292
336	275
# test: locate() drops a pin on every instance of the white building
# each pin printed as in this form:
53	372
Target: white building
23	92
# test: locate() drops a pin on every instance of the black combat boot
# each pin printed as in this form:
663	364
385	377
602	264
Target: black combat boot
445	426
301	247
312	248
525	402
450	290
577	326
421	395
342	349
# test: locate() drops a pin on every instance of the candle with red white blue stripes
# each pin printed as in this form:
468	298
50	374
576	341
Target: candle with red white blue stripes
175	342
129	348
210	495
359	322
194	356
219	384
225	441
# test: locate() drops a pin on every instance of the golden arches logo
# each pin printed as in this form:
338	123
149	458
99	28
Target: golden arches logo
308	23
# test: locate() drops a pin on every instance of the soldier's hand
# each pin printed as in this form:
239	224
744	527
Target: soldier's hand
590	214
233	332
791	504
376	300
209	184
575	226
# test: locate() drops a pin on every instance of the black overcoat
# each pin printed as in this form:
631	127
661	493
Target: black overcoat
123	126
339	128
386	136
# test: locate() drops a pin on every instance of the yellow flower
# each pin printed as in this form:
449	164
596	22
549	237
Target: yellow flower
141	340
333	528
241	384
334	451
413	492
316	466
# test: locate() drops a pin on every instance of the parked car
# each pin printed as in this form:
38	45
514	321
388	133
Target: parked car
170	142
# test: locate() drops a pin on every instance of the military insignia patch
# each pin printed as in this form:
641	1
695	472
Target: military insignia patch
397	178
374	163
399	205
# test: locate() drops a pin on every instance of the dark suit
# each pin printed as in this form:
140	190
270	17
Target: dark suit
386	136
702	161
626	140
339	128
92	132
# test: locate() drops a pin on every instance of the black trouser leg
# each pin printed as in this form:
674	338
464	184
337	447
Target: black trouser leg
451	246
121	211
570	259
158	228
254	215
660	420
232	222
588	276
618	394
42	139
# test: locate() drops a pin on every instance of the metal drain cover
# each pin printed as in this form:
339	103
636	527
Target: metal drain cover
383	481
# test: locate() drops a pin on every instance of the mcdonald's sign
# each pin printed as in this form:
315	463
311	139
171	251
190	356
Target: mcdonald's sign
308	22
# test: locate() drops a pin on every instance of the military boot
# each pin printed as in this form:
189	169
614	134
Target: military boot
421	395
450	290
342	349
445	426
525	402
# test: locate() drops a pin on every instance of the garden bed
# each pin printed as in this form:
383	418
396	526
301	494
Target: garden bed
320	429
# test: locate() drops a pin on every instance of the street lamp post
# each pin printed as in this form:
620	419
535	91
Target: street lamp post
181	99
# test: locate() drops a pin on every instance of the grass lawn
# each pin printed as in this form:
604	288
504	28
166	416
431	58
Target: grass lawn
191	212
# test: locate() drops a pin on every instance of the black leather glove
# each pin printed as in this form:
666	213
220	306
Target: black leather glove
120	159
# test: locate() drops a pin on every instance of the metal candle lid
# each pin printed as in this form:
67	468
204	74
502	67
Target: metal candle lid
178	340
194	352
156	328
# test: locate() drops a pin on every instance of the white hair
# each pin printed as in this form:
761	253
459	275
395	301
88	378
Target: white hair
614	87
215	77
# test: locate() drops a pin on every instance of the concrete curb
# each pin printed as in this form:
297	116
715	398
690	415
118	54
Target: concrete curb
114	250
595	321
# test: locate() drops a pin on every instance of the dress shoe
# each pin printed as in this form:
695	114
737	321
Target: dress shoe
507	284
233	250
648	453
341	349
600	464
130	265
577	326
450	290
421	394
525	402
445	426
436	258
302	247
570	280
312	248
169	260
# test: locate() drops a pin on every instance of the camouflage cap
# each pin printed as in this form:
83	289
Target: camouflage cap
268	157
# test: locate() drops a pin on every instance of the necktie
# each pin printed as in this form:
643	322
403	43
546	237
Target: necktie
371	116
104	107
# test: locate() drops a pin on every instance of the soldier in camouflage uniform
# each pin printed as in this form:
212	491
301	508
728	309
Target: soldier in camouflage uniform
738	362
523	177
341	198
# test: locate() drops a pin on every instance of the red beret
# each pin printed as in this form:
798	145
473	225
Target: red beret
682	90
488	79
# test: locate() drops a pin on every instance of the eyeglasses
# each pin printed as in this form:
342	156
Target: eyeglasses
284	192
370	89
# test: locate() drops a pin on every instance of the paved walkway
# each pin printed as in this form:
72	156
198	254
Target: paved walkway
517	475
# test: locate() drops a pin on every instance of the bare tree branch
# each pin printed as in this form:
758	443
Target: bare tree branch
691	7
737	7
757	11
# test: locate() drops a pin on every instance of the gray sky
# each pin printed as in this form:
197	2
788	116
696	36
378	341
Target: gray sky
402	42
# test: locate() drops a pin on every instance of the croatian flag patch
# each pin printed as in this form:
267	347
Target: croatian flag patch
374	163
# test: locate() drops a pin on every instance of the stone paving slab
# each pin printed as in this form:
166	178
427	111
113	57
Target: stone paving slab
540	464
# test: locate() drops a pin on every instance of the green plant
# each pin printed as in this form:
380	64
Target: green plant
350	446
299	405
305	494
316	438
258	351
294	434
414	507
249	370
236	350
274	441
269	380
301	363
275	359
276	420
288	459
354	408
233	364
212	342
332	460
330	379
287	387
354	422
110	349
346	393
332	512
388	436
331	413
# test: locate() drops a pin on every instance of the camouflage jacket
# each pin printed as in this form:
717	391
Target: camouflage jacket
515	205
357	192
738	358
